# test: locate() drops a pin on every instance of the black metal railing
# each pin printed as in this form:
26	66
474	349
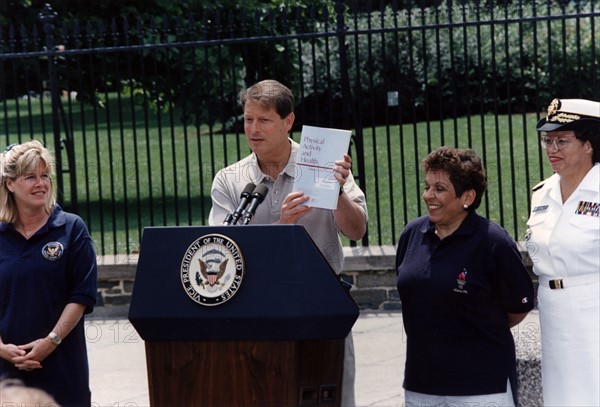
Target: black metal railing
142	114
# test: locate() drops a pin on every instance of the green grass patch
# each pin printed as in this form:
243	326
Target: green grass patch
136	168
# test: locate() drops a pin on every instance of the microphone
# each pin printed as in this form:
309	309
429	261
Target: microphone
258	195
232	218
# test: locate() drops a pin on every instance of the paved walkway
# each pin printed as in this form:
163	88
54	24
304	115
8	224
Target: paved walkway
118	364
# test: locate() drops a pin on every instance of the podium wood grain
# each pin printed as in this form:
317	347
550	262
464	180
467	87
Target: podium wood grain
245	373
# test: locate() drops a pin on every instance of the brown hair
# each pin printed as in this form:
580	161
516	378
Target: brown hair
270	94
464	169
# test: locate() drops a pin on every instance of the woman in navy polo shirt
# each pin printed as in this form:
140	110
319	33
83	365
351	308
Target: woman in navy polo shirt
48	279
463	285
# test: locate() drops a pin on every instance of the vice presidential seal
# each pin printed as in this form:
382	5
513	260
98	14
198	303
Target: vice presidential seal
53	251
212	270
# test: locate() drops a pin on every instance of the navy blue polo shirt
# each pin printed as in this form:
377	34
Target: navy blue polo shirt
455	295
38	278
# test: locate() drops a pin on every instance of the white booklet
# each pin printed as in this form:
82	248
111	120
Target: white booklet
320	148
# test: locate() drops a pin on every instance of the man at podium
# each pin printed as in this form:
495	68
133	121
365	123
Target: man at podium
268	111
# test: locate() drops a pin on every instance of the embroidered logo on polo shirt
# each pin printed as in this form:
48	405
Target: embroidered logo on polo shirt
461	280
53	251
588	208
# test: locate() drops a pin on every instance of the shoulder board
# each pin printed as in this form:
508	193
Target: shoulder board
538	186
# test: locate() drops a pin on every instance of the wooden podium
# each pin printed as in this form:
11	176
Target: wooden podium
277	341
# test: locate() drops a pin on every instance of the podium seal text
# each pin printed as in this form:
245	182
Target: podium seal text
212	269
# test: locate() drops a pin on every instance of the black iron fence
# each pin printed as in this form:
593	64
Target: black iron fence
141	114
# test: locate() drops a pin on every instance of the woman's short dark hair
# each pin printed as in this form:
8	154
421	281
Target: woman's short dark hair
464	168
593	136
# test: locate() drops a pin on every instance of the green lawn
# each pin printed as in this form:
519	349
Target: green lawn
135	169
512	160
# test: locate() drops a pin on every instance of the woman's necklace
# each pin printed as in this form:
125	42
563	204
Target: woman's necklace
29	231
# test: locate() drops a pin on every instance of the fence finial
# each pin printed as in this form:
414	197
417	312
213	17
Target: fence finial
47	15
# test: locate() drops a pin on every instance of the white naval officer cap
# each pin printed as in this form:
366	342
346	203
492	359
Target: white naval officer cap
571	114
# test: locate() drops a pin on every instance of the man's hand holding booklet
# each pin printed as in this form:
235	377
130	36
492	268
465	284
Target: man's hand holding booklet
319	149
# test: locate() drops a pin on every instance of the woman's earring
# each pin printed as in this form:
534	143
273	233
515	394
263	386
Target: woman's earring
466	206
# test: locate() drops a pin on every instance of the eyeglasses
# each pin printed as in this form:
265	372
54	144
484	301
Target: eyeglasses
558	143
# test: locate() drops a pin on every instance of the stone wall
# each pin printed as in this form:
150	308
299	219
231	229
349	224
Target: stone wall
370	270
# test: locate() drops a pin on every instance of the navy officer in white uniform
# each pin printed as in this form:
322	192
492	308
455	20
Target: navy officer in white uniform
563	240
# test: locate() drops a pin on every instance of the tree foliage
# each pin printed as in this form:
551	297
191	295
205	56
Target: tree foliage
436	57
26	11
197	69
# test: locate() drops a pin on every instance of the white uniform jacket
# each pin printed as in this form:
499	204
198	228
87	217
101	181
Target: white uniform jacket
563	241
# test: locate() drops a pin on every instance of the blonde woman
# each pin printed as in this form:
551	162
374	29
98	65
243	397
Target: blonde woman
48	280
